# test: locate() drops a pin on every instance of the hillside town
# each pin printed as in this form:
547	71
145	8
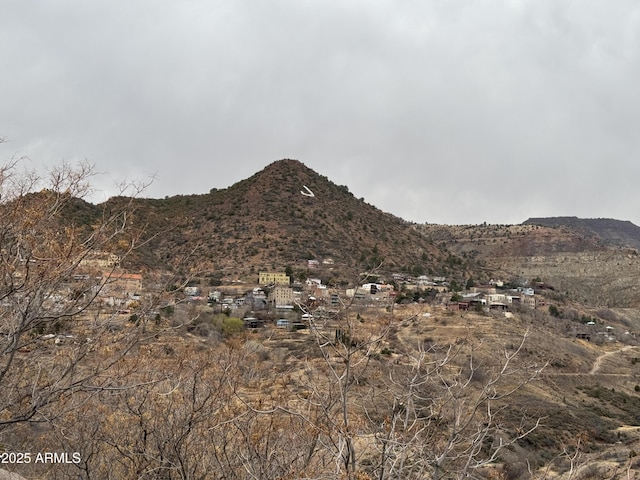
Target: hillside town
120	290
276	292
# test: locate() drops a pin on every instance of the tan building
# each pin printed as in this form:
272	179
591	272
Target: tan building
281	296
279	278
100	260
528	300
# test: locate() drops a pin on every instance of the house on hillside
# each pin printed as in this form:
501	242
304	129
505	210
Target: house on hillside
120	288
124	283
486	289
439	288
528	301
257	299
474	297
473	300
191	291
458	306
496	299
252	322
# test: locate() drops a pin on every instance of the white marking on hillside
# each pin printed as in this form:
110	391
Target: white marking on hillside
308	192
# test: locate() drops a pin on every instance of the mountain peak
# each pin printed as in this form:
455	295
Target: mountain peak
292	182
287	163
287	167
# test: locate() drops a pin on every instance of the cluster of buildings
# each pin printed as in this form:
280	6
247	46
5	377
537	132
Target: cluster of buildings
276	292
115	287
119	289
494	298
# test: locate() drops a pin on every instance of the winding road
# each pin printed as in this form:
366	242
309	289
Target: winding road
598	363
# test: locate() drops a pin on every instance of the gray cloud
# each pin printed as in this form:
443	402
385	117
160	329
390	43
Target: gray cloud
446	112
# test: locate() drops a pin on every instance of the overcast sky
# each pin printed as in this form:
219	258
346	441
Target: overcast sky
439	111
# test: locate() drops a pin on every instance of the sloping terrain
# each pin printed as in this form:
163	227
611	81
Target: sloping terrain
270	221
613	232
287	214
270	399
581	266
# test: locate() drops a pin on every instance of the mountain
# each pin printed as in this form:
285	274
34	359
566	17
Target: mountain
616	233
281	216
287	214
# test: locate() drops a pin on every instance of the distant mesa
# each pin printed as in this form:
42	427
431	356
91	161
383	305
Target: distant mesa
616	233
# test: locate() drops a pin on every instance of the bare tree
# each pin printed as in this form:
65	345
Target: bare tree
444	415
46	290
333	392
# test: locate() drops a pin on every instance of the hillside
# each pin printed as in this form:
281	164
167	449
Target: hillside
271	221
266	222
616	233
582	266
287	214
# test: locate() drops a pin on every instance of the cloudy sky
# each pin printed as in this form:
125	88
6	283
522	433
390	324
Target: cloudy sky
439	111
